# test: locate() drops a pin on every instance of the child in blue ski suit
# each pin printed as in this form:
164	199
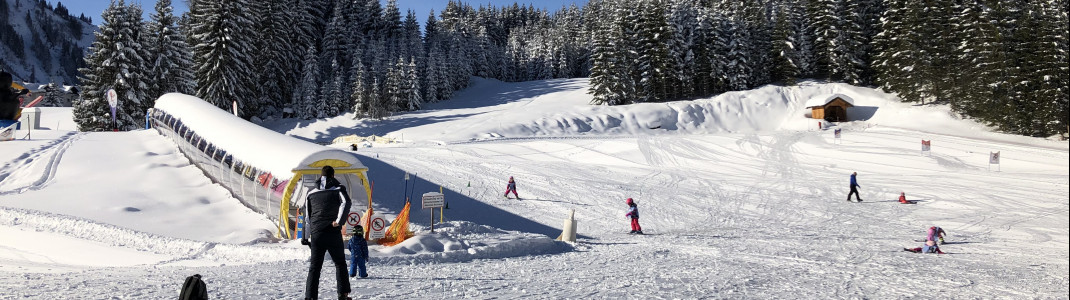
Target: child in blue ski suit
358	252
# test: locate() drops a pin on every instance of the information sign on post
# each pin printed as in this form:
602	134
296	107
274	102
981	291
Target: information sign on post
433	200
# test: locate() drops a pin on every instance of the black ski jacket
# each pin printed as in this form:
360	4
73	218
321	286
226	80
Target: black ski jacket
327	204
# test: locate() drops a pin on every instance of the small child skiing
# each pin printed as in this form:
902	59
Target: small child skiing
511	187
358	252
930	247
935	234
633	213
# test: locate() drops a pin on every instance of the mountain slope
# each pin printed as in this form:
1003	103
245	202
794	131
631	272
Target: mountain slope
41	43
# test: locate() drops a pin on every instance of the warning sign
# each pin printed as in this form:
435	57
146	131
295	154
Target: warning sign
378	227
354	219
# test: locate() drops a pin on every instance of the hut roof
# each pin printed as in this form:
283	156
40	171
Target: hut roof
822	100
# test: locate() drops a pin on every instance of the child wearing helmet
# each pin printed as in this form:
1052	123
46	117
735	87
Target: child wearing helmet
511	187
633	213
358	253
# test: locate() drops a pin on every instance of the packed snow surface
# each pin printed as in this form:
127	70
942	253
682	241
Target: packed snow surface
740	196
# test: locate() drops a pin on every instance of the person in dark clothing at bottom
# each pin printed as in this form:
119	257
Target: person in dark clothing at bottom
9	97
326	206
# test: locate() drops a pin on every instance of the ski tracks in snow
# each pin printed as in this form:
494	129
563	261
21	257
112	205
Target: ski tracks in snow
24	165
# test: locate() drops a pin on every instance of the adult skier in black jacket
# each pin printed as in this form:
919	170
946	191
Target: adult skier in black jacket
326	208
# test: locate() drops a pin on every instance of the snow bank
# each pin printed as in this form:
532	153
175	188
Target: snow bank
560	108
462	241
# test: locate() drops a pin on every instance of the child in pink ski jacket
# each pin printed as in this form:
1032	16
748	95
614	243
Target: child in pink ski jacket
633	212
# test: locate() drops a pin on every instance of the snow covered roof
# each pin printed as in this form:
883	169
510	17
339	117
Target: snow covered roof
822	100
248	142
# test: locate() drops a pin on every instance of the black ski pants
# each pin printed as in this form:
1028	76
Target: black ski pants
329	242
854	190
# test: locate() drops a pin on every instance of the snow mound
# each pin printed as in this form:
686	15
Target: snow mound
492	110
169	249
463	241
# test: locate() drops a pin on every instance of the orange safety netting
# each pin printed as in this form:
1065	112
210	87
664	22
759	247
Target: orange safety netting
399	229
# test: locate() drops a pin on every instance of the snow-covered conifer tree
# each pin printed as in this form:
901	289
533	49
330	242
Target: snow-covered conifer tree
114	61
170	59
224	70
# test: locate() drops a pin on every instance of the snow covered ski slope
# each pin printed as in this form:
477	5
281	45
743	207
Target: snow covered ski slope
740	197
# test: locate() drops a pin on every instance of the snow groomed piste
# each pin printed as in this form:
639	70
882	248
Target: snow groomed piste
230	151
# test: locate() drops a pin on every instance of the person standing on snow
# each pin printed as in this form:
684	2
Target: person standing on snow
9	97
326	207
358	252
633	213
511	187
854	188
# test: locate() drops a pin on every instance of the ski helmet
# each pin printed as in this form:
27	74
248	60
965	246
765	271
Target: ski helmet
630	201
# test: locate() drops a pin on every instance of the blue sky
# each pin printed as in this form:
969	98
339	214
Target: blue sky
93	8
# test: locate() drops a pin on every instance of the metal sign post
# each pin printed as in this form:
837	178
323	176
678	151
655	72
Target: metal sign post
837	133
433	200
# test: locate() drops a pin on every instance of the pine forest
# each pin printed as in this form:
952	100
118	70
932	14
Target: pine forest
1002	62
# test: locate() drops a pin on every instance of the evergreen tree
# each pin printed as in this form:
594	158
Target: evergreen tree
305	101
360	95
413	92
1040	110
224	71
332	98
684	23
395	88
114	61
898	55
170	59
785	67
276	68
376	109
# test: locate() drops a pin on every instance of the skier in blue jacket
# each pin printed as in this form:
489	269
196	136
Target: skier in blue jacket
358	252
854	188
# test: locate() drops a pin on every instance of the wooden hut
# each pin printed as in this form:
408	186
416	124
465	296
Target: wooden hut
832	108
